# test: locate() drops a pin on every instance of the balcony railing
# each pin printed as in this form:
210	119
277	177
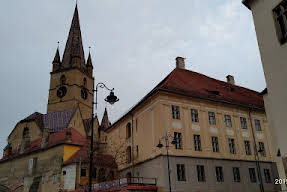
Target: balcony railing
128	181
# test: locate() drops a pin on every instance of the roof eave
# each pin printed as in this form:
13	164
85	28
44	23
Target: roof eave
246	3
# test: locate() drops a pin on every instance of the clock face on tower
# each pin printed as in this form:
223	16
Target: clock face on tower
84	93
61	92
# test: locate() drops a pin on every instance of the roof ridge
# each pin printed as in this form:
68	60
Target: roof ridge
219	80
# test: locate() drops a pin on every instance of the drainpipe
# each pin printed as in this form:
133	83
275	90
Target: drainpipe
256	154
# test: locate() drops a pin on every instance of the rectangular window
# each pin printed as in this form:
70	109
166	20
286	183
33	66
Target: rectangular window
83	172
95	173
43	179
243	123
247	147
33	163
280	13
211	117
175	112
180	172
200	173
252	175
178	138
194	115
231	145
30	163
236	174
215	146
261	149
219	174
54	179
228	122
257	125
197	143
267	176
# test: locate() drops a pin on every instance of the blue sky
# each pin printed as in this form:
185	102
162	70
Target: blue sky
134	45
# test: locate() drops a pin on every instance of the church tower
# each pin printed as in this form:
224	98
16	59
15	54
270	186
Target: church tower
71	83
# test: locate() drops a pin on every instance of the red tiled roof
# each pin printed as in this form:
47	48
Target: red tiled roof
102	160
56	138
194	84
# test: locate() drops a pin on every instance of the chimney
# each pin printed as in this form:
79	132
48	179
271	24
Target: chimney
180	62
45	137
230	79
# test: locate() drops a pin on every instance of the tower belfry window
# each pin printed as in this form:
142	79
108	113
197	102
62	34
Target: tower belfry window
85	82
63	80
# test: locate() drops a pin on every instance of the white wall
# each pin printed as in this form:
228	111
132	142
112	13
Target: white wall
70	177
274	61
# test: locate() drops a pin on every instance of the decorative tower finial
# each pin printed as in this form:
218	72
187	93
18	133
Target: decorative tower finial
57	60
90	63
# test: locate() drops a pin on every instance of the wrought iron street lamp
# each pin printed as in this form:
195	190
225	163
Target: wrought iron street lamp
160	145
111	99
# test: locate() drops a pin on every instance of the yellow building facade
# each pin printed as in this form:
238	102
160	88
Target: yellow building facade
133	139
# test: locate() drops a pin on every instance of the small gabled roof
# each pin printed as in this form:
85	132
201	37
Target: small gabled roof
59	120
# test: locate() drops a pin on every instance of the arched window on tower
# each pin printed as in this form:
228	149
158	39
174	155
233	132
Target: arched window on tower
85	82
63	80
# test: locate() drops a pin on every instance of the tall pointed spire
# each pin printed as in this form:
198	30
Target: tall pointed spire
89	61
57	57
74	52
105	121
57	60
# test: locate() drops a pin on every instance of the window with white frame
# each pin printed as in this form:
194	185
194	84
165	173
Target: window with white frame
215	146
197	142
228	122
200	173
180	169
175	112
247	147
54	179
262	149
194	115
231	144
211	118
252	175
178	138
236	174
267	175
219	174
257	125
243	122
